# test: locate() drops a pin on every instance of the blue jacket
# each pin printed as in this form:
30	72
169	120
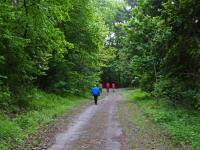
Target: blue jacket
95	91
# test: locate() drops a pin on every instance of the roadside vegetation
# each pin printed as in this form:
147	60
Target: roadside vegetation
43	109
55	46
181	124
158	50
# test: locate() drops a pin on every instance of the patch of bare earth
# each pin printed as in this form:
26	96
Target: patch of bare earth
142	133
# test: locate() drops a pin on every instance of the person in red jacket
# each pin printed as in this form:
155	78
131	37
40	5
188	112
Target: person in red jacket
113	87
107	87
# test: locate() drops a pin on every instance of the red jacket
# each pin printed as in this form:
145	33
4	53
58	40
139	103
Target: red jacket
113	86
107	85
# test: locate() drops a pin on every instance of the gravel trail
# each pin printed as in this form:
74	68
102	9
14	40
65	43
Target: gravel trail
96	128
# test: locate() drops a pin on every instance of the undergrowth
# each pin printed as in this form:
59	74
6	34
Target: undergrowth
43	109
183	125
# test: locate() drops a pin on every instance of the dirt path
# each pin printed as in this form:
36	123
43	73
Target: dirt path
97	128
114	124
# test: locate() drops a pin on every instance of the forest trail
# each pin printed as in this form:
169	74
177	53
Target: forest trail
114	124
96	128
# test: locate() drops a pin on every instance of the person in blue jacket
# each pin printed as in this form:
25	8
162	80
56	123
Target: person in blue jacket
95	91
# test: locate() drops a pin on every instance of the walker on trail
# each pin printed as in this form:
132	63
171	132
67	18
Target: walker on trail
113	87
95	92
108	87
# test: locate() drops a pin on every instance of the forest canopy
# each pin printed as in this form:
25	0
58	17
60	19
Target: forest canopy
57	46
158	49
65	47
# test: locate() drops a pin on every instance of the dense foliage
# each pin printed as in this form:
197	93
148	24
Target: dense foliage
158	48
58	46
66	46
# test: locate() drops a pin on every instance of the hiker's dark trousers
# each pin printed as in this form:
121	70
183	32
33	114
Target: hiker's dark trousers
95	99
107	90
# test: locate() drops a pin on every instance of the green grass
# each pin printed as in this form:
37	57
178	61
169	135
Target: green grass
183	125
43	109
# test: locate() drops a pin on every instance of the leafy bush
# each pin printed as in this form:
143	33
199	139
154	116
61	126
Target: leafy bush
146	82
177	91
4	97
